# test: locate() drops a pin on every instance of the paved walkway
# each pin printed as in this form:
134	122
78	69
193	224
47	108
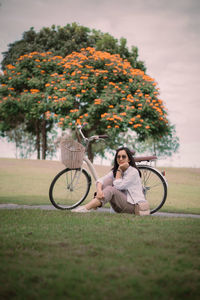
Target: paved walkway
51	207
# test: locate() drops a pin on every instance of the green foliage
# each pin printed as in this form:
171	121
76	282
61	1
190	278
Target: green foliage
109	95
64	40
25	141
24	83
163	147
108	90
23	97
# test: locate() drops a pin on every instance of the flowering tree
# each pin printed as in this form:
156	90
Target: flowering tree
108	94
62	41
23	95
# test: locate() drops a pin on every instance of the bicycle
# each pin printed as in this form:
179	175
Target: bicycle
71	186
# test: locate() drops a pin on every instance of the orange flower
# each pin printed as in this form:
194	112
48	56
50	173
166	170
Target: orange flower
34	91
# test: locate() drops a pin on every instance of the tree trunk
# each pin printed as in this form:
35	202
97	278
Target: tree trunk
44	139
90	153
37	125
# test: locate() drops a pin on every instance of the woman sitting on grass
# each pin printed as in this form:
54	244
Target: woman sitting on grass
121	187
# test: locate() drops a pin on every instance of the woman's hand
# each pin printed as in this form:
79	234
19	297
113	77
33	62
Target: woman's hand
100	194
123	167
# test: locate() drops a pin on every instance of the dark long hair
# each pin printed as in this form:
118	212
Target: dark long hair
130	157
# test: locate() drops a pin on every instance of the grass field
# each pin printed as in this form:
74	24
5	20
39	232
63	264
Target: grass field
28	181
61	255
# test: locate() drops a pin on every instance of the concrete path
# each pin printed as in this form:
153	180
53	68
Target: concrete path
51	207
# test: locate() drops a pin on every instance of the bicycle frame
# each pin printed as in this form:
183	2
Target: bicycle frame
91	168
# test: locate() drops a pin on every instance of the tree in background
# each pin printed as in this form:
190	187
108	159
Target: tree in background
30	104
24	99
108	94
62	41
163	147
25	142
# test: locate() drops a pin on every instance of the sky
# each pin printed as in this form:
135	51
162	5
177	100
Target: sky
166	32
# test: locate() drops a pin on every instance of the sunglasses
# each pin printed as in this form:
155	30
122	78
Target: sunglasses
121	156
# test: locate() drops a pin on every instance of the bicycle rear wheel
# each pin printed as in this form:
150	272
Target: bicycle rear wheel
154	187
69	188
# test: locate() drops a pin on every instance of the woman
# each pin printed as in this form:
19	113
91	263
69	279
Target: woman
121	187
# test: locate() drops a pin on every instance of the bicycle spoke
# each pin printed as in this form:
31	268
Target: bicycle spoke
69	188
154	187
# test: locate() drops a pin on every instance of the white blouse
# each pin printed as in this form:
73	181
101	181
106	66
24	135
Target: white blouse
130	183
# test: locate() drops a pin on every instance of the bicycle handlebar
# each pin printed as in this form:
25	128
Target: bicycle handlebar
103	136
97	137
94	137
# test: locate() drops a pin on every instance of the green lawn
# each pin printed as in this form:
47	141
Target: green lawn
28	181
61	255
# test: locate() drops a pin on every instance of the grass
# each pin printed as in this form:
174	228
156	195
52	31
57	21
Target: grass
28	181
61	255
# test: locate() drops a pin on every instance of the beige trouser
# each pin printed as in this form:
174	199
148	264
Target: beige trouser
117	199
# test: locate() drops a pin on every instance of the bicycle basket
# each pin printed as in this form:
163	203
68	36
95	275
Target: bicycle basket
72	153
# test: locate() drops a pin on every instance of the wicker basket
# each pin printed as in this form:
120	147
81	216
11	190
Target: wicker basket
72	153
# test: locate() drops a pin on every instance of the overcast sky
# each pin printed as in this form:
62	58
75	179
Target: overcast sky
166	32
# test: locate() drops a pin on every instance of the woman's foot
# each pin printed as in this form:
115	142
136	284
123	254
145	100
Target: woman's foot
81	209
93	204
142	208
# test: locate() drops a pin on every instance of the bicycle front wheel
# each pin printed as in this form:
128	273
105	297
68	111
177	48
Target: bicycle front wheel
154	187
69	188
